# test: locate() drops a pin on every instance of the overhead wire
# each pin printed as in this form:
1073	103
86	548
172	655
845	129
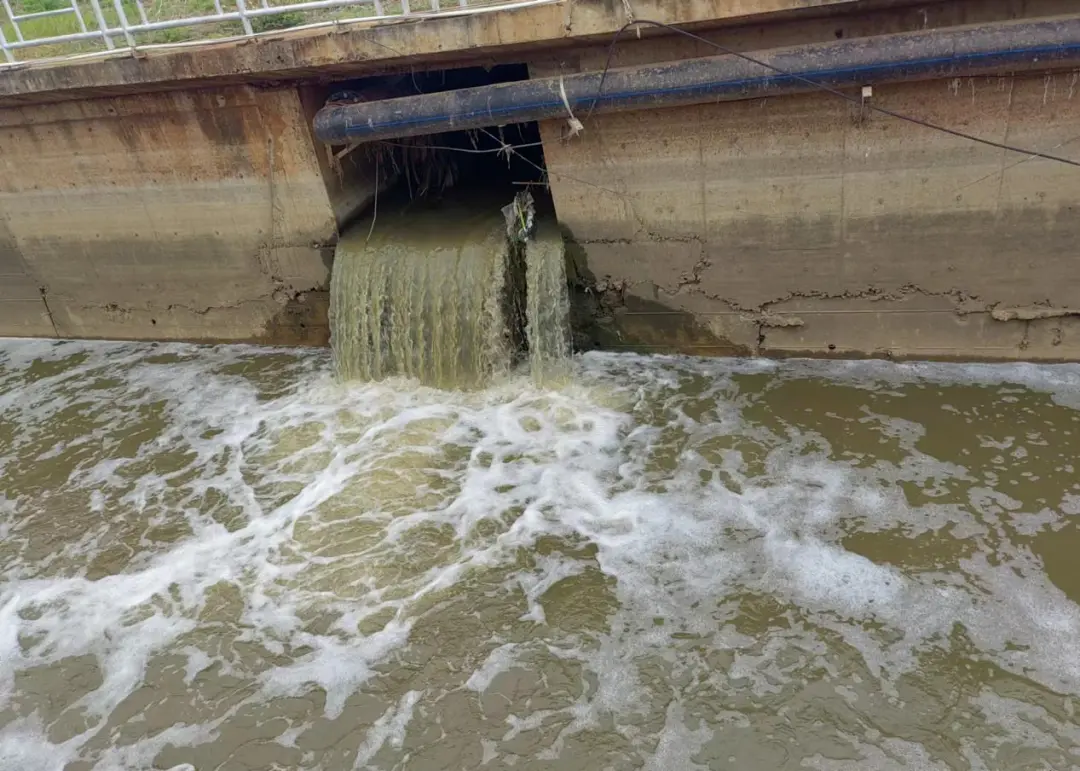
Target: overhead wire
545	172
507	148
503	147
821	86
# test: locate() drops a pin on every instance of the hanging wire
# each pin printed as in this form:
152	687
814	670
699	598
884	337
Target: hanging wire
821	86
507	148
504	147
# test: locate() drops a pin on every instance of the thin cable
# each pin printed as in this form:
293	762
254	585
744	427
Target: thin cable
375	211
815	84
504	147
1012	165
547	172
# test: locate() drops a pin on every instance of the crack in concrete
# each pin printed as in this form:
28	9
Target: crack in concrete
1030	313
280	295
777	321
964	300
202	311
765	316
48	311
653	237
694	277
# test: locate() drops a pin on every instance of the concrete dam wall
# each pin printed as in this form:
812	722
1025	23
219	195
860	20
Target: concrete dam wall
799	225
200	215
200	205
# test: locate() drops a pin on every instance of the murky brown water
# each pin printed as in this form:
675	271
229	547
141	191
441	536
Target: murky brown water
218	558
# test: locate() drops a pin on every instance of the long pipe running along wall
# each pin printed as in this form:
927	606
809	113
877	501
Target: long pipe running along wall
913	56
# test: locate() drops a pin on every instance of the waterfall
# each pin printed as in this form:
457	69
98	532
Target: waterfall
428	297
547	306
446	297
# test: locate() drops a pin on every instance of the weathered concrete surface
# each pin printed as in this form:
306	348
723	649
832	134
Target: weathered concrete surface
22	309
804	225
823	24
196	215
179	195
349	173
360	49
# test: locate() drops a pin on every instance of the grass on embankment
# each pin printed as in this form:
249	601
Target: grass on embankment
161	10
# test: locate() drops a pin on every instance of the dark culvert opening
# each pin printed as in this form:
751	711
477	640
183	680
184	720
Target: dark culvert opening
490	163
432	186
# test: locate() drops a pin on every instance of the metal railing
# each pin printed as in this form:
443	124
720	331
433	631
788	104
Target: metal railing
107	35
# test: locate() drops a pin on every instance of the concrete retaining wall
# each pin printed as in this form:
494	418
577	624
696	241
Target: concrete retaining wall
806	225
175	215
359	48
170	196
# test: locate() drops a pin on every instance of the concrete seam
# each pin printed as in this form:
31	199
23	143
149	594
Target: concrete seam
48	311
1008	126
847	128
703	175
271	237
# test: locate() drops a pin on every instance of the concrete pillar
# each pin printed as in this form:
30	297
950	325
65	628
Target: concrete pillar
201	215
805	225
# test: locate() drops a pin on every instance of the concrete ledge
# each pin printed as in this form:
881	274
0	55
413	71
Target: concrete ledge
199	215
799	226
359	49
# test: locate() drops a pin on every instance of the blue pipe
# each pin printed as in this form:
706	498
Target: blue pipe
912	56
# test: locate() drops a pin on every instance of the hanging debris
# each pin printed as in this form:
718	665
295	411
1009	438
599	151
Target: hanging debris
520	216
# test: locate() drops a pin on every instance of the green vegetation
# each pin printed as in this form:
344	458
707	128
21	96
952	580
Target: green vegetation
156	10
281	21
161	10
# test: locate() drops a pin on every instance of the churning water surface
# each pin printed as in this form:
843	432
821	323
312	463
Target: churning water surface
220	558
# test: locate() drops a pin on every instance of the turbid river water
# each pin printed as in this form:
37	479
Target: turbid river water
221	558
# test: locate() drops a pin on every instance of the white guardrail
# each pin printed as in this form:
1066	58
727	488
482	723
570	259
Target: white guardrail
105	34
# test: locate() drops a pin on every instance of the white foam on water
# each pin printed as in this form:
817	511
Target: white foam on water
338	667
23	746
893	755
678	744
388	728
497	662
270	525
142	754
1062	381
832	577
